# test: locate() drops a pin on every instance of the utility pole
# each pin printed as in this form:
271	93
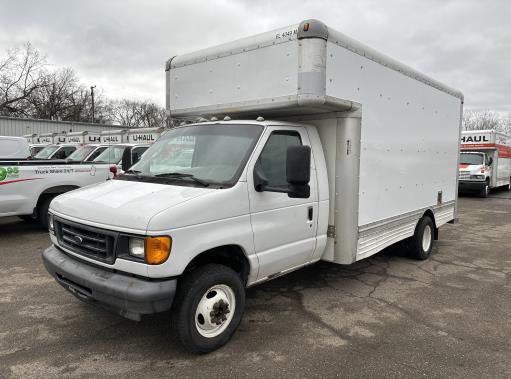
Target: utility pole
92	95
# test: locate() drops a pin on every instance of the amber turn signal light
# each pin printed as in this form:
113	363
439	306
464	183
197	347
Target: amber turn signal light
157	249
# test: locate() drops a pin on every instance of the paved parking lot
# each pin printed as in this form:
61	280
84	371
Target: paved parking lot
387	316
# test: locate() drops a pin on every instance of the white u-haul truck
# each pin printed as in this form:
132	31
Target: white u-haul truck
82	138
485	161
359	152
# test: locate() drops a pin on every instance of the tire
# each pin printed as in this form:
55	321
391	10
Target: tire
29	219
421	244
42	211
485	191
206	289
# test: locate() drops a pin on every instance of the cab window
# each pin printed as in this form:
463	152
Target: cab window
272	161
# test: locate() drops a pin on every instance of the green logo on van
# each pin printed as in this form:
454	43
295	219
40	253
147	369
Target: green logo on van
8	172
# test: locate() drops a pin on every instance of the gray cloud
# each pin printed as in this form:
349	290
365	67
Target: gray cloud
121	46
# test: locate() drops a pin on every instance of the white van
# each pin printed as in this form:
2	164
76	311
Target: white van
14	148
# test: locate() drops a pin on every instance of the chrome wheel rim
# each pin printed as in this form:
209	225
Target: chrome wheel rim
426	238
215	310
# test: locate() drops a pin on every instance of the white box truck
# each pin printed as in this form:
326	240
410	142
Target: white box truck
144	135
82	138
47	138
113	136
359	152
485	161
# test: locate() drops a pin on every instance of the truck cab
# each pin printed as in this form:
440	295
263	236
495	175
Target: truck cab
475	172
56	151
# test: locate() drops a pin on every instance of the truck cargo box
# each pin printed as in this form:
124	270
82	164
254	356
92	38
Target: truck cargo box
390	133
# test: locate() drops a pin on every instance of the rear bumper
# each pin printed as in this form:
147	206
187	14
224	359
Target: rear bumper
471	185
129	296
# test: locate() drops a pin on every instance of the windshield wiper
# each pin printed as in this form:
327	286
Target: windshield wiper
182	175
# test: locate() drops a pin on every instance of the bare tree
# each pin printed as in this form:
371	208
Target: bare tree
481	120
22	72
137	114
54	100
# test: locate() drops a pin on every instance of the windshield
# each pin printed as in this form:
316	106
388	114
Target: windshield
476	159
81	153
46	152
36	149
210	153
112	154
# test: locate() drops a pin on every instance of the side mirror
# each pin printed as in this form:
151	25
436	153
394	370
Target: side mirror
126	160
490	161
298	171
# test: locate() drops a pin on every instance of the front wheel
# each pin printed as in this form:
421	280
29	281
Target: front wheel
485	192
421	243
208	308
42	211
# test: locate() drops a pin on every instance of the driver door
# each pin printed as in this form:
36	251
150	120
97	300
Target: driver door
284	228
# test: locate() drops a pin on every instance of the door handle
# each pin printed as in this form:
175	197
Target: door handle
310	213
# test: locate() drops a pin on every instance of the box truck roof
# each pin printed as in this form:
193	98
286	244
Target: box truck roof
288	71
486	140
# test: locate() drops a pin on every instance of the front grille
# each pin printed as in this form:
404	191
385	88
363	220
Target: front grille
85	240
464	175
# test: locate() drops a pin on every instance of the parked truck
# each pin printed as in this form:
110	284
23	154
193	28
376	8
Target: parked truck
485	161
27	187
315	147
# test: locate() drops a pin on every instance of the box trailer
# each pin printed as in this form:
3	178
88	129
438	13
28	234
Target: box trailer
308	146
485	161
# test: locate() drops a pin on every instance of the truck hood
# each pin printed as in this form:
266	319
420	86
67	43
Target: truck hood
474	169
123	204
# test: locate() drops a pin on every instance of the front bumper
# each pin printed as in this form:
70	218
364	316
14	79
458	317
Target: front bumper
471	185
129	296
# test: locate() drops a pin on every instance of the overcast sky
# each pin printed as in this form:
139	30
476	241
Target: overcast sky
121	45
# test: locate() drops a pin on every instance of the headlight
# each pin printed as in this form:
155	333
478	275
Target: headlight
154	250
477	177
51	227
137	247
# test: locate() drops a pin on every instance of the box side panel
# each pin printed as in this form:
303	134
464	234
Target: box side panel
250	76
409	136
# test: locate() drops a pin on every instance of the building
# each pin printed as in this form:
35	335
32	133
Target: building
23	126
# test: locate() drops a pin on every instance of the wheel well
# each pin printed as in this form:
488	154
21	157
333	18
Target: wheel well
431	215
52	192
231	256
